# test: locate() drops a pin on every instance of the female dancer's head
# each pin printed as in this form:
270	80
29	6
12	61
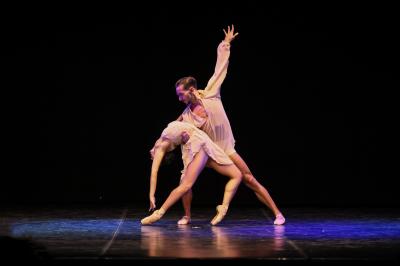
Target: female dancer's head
170	138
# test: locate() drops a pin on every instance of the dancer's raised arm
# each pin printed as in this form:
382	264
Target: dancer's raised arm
213	87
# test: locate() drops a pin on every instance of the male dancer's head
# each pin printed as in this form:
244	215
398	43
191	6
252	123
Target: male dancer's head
186	88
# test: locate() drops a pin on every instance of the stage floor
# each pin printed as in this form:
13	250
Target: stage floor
114	233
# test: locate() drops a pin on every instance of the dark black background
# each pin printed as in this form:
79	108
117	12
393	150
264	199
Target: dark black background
310	94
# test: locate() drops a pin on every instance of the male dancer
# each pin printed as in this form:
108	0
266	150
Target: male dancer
205	110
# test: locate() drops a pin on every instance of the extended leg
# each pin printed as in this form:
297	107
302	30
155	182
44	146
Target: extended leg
260	191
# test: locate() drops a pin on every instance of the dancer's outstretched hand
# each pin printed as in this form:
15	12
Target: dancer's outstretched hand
230	34
152	203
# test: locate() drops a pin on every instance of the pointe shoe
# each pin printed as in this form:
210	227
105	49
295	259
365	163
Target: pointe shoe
184	220
154	217
279	220
221	212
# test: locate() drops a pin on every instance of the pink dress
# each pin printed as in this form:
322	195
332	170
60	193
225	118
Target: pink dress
198	140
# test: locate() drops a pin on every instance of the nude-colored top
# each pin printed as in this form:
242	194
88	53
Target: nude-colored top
216	125
198	140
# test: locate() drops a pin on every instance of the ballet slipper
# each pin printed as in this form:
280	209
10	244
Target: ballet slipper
221	212
154	217
279	220
184	220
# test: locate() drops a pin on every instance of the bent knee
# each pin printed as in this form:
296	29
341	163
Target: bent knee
238	177
236	174
248	178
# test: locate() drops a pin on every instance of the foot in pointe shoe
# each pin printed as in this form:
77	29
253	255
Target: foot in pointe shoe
279	220
221	212
184	220
154	217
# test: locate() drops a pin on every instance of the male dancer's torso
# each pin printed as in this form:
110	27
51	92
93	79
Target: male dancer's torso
208	113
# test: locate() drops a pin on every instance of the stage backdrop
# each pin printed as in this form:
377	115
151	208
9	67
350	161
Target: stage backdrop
309	94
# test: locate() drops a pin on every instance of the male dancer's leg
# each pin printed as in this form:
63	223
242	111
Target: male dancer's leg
260	191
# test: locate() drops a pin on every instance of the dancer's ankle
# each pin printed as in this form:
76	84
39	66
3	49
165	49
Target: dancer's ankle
184	220
225	205
223	209
161	211
279	219
221	212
